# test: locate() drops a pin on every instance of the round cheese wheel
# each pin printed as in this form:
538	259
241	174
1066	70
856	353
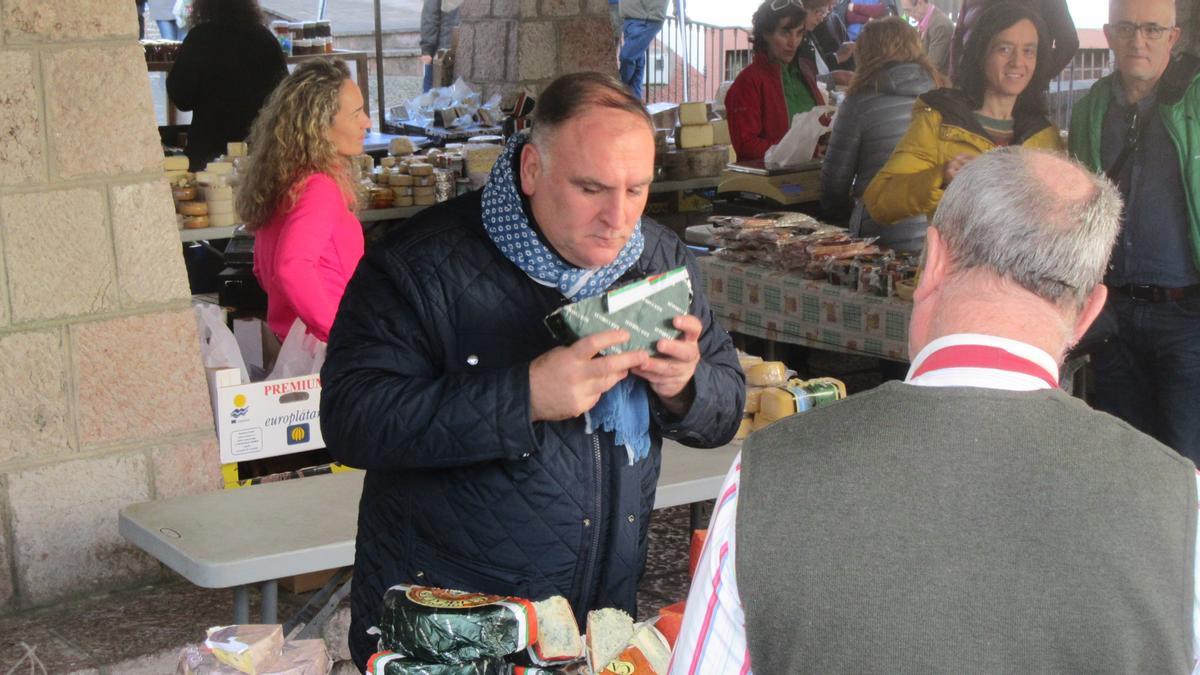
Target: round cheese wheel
428	200
420	169
422	192
403	201
193	208
183	194
195	222
400	180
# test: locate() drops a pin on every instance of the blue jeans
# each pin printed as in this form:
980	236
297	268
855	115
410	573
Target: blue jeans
1148	374
638	36
427	82
169	30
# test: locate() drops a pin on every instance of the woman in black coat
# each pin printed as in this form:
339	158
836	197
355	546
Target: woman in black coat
228	65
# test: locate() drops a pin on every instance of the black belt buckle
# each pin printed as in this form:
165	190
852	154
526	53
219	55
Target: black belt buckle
1145	292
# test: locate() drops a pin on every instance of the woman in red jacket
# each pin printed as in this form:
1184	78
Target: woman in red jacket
776	85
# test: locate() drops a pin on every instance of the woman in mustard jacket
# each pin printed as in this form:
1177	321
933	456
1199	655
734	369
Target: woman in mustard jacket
999	101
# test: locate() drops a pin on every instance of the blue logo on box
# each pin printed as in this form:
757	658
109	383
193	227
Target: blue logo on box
297	434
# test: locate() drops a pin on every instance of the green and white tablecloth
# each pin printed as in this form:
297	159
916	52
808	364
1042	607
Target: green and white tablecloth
785	307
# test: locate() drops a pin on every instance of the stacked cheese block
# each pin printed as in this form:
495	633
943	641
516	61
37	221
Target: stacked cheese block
402	178
772	396
704	143
205	199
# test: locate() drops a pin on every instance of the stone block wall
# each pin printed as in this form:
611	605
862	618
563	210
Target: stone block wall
102	395
508	44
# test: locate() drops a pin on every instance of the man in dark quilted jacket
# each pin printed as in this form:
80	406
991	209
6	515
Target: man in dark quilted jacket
497	460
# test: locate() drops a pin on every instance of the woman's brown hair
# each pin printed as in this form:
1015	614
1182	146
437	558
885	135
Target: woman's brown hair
884	42
289	141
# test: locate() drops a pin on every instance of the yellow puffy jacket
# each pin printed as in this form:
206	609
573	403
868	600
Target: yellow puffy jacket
942	126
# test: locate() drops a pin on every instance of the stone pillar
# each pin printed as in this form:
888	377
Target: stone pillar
102	395
507	44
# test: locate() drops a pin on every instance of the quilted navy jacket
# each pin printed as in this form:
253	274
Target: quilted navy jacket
426	386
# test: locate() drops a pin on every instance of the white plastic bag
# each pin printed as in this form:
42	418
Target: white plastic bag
218	346
797	146
183	13
301	354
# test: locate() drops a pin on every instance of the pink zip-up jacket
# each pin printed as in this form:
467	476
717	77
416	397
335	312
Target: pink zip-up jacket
304	257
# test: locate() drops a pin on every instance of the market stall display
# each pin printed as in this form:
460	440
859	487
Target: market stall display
784	306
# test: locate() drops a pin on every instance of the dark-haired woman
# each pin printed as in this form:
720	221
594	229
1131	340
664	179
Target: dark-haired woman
776	85
1000	101
228	65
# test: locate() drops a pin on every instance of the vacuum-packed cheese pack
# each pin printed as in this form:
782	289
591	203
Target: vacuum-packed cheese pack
391	663
436	625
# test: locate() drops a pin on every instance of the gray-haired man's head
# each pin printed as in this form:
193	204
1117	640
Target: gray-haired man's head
1040	220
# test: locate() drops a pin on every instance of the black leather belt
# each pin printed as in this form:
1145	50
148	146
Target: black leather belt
1148	293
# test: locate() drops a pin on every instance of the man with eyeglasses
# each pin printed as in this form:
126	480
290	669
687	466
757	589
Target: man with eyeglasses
1138	126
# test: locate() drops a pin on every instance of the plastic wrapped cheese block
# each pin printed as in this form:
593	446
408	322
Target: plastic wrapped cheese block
645	309
235	149
721	132
799	396
401	146
435	625
753	399
175	163
693	112
766	374
608	630
248	647
695	136
646	653
558	639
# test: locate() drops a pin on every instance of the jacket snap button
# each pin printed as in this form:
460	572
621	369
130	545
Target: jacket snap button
472	360
587	522
525	456
631	518
420	574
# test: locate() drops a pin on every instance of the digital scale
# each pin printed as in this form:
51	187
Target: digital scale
752	183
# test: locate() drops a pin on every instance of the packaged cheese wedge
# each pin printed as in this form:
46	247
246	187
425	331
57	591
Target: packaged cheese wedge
800	395
436	625
250	648
646	653
608	630
558	639
767	374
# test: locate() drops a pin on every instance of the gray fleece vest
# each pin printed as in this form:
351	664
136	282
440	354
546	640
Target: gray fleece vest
961	530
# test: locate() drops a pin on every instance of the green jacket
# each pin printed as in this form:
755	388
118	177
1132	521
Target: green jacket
1179	104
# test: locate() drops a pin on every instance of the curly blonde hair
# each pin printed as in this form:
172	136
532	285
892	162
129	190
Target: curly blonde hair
884	42
289	142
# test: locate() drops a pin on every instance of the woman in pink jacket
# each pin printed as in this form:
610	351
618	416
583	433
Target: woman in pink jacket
298	196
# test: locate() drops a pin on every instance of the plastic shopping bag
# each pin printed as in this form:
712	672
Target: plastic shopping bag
301	354
800	142
218	346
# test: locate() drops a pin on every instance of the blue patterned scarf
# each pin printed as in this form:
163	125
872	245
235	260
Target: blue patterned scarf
623	410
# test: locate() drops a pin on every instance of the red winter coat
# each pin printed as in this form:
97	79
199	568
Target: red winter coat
757	111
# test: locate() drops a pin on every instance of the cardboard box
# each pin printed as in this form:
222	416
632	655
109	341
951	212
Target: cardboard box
265	419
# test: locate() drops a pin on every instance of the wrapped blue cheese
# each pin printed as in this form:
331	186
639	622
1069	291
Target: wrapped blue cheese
436	625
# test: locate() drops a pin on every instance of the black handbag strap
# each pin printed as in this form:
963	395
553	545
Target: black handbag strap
1133	136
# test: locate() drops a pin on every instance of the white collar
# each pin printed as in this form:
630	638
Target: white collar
990	378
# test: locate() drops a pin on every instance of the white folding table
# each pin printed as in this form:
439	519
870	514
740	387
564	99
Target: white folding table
259	534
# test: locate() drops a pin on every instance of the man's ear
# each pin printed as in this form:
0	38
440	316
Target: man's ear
935	267
531	168
1091	309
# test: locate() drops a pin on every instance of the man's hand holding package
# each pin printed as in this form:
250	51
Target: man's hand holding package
670	374
566	382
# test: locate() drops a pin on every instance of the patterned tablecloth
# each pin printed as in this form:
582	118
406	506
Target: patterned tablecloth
785	307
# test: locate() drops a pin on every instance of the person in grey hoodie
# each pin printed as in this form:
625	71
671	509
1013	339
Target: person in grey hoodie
643	19
892	71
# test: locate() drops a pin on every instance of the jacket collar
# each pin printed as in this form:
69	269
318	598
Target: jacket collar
957	110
